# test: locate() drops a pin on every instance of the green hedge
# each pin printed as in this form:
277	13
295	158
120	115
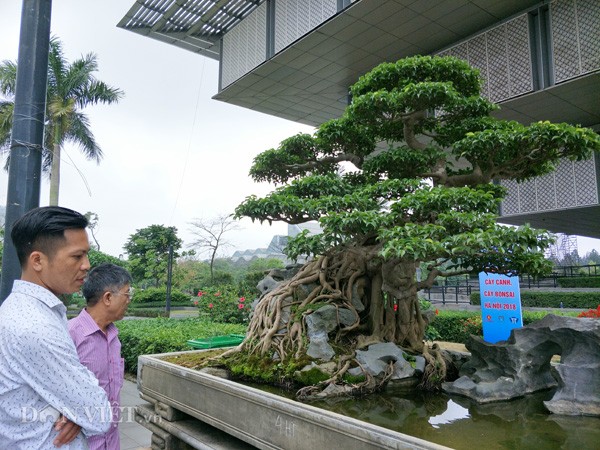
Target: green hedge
552	299
149	336
457	326
162	304
159	295
579	282
146	312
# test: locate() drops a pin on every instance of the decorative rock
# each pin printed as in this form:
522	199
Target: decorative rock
319	324
267	284
328	368
328	318
521	365
319	347
376	359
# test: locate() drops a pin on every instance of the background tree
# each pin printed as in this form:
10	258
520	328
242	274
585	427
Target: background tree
148	252
97	257
422	155
93	220
210	236
190	274
593	257
71	88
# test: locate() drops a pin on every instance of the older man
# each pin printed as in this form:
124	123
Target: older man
46	395
107	292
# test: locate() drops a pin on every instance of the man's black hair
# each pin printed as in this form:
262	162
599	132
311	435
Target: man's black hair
103	278
43	229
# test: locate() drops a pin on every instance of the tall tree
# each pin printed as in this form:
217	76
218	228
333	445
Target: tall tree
426	155
71	88
93	220
210	236
148	252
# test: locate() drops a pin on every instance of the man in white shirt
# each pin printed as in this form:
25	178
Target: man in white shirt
48	398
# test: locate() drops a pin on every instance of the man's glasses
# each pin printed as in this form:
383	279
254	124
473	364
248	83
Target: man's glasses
128	293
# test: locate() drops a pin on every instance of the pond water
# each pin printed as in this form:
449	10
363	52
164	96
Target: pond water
460	423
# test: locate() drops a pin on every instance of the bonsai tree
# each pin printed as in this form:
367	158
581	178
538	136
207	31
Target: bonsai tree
407	177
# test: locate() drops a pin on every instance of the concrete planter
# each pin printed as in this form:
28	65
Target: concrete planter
230	415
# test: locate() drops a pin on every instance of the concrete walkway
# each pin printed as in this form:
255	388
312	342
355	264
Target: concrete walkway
133	435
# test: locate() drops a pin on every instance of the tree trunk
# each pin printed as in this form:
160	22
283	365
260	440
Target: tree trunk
55	175
388	292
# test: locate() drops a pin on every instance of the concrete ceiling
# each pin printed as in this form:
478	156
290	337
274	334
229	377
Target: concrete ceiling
576	221
308	81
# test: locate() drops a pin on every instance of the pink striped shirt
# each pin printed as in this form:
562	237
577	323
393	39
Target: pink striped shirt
101	354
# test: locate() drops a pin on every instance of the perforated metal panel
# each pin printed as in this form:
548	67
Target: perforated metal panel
573	184
497	56
588	18
520	72
477	49
295	18
586	188
575	27
510	204
503	56
244	47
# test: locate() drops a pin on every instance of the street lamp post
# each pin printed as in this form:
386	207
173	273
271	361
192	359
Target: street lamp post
27	135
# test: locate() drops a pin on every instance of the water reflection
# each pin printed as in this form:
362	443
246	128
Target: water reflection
453	412
460	423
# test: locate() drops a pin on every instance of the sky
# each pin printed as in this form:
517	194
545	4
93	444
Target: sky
171	153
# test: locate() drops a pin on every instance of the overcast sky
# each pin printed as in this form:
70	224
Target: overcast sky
171	153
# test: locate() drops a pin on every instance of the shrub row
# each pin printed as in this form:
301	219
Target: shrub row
457	326
159	295
579	282
162	304
553	299
149	336
146	312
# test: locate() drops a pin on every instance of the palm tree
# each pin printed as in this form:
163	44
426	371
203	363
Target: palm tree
71	87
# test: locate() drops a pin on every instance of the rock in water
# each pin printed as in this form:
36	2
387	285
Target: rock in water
521	365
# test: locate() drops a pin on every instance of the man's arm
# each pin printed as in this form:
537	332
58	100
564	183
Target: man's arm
47	361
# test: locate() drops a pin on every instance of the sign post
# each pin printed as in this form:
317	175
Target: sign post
500	306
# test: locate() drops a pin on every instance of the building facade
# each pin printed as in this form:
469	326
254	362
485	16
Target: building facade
295	59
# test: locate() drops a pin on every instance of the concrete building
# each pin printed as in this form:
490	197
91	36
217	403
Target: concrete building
296	59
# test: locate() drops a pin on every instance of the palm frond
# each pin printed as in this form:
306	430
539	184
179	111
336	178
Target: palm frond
79	133
8	78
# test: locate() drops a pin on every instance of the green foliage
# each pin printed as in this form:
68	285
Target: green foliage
394	141
456	326
223	304
148	250
311	377
71	88
158	296
593	257
264	264
579	282
151	336
97	257
147	311
552	299
189	275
